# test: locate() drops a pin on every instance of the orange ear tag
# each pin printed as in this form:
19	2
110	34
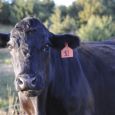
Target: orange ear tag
66	52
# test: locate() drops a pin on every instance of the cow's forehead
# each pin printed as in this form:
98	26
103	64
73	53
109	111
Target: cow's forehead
28	24
30	29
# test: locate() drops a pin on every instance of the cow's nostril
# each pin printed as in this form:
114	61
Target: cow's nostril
26	83
21	83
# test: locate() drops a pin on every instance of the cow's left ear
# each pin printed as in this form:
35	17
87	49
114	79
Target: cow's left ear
59	41
4	38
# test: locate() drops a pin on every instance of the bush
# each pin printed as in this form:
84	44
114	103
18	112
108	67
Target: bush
97	28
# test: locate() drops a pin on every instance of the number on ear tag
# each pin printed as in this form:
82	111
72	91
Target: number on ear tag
66	52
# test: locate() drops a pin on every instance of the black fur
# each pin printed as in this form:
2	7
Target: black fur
58	41
4	38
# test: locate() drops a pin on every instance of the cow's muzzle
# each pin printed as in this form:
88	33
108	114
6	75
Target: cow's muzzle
29	83
26	83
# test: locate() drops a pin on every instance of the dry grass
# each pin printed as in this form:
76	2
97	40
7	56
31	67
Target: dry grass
8	97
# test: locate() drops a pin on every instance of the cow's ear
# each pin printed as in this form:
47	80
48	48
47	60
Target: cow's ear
59	41
4	38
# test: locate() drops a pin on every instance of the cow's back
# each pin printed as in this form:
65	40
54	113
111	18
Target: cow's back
98	64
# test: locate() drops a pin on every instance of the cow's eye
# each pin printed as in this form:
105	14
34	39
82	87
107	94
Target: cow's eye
45	48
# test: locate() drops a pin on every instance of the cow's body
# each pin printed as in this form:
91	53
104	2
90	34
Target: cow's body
89	94
98	65
48	84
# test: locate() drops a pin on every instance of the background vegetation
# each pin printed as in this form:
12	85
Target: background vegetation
8	96
89	19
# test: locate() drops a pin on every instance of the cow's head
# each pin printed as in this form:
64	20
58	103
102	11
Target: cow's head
29	46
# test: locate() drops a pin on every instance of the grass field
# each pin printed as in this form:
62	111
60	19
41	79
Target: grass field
8	95
5	28
7	90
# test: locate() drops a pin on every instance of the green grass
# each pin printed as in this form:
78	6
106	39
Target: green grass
5	28
8	95
6	72
4	54
7	90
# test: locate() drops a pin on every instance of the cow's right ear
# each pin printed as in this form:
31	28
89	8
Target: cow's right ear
59	41
4	38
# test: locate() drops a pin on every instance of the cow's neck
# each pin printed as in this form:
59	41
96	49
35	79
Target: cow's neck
68	79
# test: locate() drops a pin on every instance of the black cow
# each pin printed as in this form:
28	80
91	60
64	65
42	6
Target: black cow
58	75
4	38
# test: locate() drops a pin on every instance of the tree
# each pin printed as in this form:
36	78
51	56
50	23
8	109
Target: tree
20	9
60	24
63	10
1	5
5	13
95	7
97	28
43	9
73	10
56	21
89	8
68	25
109	7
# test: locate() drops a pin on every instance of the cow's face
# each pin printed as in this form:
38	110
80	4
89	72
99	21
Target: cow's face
29	49
29	46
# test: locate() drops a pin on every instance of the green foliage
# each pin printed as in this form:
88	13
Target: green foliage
5	13
20	9
1	5
63	19
89	8
56	21
7	91
9	98
73	10
95	7
43	9
63	10
59	24
10	105
68	25
97	28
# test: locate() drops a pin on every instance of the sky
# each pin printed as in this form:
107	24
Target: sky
63	2
60	2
